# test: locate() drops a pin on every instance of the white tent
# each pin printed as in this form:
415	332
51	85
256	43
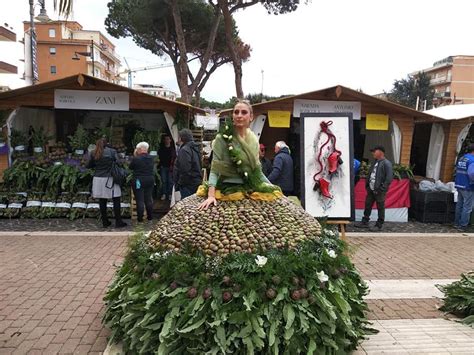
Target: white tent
450	112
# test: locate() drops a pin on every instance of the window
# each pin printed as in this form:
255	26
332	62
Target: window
52	33
448	88
52	50
53	69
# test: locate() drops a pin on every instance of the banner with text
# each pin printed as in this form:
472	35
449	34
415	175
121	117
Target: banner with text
321	106
92	100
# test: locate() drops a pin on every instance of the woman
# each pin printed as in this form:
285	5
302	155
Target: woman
236	161
167	155
142	166
103	186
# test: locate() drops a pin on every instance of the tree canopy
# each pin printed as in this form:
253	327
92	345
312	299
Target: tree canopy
183	30
406	91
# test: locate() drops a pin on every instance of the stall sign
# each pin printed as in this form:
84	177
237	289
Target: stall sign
279	119
92	100
320	106
376	122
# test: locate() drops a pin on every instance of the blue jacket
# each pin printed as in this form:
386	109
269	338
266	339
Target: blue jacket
356	166
465	173
282	171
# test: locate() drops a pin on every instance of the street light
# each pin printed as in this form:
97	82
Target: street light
87	54
42	17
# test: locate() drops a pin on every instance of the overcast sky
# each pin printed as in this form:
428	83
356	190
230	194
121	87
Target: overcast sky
362	44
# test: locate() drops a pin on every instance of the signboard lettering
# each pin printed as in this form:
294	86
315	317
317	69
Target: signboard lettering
317	106
92	100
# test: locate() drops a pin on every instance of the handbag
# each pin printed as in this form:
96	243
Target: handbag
118	174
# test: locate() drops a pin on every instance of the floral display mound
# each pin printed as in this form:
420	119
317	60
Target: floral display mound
305	298
459	298
234	226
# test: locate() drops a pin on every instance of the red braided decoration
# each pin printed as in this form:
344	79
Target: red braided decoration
331	137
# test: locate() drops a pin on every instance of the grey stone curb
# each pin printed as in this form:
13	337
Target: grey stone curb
411	235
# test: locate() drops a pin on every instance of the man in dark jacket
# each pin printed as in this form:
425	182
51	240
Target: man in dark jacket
187	174
282	170
264	161
378	180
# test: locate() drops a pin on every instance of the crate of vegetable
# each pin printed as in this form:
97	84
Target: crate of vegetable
79	205
33	205
92	209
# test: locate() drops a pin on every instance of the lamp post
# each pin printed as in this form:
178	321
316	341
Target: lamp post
87	54
42	17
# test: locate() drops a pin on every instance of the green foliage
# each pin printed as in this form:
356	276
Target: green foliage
172	303
40	138
406	91
80	139
401	171
18	138
459	298
22	175
153	138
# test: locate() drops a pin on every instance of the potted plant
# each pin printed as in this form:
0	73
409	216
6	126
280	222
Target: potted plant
39	140
19	142
154	140
79	140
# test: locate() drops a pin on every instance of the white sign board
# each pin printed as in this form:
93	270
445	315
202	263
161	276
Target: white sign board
317	106
317	146
92	100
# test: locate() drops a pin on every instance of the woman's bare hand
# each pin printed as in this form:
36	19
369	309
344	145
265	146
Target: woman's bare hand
210	201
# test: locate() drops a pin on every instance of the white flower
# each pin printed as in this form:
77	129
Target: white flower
147	234
225	136
261	260
322	276
332	254
246	174
239	162
226	127
231	147
230	137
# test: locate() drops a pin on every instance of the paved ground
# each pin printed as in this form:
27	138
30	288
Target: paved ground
51	293
419	336
53	284
90	224
409	227
413	258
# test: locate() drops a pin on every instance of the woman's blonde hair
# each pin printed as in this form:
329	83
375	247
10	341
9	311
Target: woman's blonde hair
245	102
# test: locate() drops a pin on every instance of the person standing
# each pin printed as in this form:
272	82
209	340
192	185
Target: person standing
379	178
142	166
264	161
282	169
464	183
187	174
167	155
103	186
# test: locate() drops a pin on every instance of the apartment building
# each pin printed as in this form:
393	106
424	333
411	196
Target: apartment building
452	79
156	90
64	48
7	35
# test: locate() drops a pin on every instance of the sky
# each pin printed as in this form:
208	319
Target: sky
364	44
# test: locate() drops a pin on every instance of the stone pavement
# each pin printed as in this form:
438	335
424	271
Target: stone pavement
402	272
51	292
52	285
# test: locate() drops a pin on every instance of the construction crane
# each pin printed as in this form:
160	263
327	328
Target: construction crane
130	71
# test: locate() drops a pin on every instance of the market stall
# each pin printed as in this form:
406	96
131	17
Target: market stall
374	122
49	129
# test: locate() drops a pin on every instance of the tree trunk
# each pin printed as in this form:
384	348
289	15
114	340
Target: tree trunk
236	60
182	68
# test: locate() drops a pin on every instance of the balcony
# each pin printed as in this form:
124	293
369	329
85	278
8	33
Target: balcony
440	80
6	68
7	35
443	95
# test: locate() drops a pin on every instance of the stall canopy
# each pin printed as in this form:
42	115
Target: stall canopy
43	95
397	137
